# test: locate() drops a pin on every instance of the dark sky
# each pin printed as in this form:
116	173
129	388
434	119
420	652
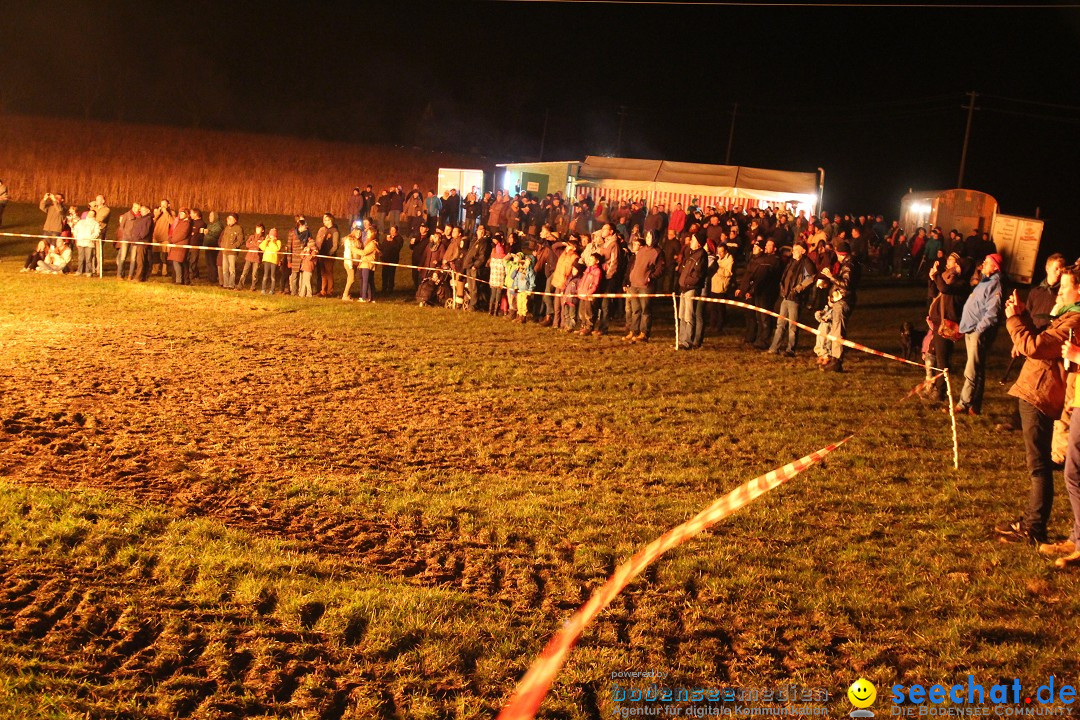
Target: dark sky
873	95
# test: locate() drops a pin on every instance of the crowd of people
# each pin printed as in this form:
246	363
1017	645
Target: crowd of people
584	265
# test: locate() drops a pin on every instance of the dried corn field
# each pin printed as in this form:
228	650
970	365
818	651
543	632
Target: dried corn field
202	168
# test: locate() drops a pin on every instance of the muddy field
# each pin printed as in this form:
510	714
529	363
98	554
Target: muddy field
216	504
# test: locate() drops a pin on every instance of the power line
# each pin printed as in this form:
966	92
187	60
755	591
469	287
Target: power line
1034	102
1003	111
886	5
870	103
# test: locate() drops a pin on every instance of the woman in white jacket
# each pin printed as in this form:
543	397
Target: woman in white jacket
86	233
351	252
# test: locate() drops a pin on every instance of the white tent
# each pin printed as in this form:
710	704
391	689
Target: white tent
662	181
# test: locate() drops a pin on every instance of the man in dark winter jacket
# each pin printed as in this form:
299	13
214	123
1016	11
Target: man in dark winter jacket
796	281
693	273
476	258
648	263
761	286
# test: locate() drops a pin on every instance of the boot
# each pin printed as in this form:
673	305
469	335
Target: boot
546	322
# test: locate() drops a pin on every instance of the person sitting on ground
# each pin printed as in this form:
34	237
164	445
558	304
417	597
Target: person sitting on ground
57	259
38	254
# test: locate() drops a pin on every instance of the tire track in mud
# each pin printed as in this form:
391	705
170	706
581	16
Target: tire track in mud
161	434
166	659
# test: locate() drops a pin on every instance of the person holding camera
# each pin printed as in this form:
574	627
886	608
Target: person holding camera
55	210
1040	391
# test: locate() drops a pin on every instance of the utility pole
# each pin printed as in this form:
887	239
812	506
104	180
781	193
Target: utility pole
967	135
731	135
543	137
622	117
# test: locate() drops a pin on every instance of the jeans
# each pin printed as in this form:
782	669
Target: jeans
585	313
305	283
640	320
1038	431
178	271
269	277
121	255
496	300
472	274
251	266
349	276
789	315
549	299
228	270
691	320
86	262
366	287
1072	474
569	315
978	347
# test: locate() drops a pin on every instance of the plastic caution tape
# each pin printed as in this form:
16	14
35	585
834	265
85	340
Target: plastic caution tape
534	686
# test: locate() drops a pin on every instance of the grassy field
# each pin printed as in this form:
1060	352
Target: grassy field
218	504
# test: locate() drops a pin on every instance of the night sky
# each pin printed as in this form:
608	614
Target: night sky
873	95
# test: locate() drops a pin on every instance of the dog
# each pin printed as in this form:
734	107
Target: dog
911	341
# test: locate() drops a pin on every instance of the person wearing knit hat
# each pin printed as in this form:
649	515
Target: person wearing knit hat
842	288
979	322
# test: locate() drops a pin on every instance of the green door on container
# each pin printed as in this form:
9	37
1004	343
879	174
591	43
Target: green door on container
534	183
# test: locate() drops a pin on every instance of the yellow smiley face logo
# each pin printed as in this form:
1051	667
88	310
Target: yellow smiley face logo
862	693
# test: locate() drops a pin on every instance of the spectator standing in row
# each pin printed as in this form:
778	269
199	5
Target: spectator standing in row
198	239
179	239
211	240
1040	389
139	234
299	237
232	238
390	247
693	274
5	196
979	323
327	240
798	277
270	247
86	232
355	207
54	208
125	251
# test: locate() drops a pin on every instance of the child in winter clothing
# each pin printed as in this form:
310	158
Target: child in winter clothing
510	265
570	299
524	281
307	266
590	281
270	247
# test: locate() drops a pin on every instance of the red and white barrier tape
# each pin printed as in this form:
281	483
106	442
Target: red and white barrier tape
845	342
534	686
